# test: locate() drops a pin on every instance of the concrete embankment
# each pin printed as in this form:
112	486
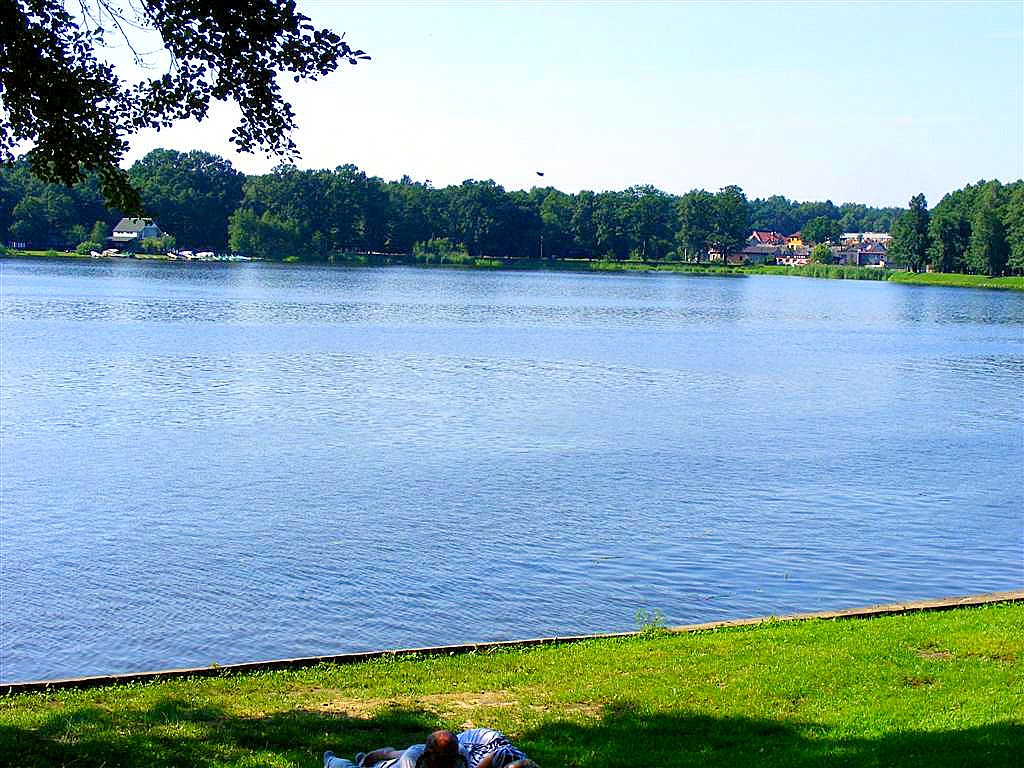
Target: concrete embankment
889	609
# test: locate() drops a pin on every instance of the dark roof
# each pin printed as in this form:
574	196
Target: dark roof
133	225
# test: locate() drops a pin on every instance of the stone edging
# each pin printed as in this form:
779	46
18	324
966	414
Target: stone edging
890	609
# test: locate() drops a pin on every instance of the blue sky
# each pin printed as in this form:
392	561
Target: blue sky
866	102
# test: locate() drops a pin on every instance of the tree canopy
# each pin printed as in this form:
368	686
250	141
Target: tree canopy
191	194
59	95
821	254
822	229
988	249
326	215
979	228
910	237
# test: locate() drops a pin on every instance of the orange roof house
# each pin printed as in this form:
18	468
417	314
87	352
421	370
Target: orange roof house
763	237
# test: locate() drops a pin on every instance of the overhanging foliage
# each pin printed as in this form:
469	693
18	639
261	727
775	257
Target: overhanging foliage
57	93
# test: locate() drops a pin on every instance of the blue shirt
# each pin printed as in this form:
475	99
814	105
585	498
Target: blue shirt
478	743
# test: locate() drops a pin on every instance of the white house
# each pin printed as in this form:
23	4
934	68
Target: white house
131	231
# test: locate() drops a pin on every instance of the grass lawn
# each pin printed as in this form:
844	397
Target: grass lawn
927	689
959	281
51	254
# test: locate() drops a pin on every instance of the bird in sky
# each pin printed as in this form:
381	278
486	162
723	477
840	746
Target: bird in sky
540	173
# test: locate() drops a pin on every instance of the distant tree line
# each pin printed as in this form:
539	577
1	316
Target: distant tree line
978	229
206	204
190	195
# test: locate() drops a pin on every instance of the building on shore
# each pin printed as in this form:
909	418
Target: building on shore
860	238
758	254
861	254
795	256
130	232
762	237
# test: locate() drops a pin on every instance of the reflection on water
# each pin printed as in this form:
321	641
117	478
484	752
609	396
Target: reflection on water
226	463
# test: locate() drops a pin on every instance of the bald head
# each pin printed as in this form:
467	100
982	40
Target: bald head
442	750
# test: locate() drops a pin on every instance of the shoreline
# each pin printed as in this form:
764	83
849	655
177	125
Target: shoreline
920	690
583	266
872	611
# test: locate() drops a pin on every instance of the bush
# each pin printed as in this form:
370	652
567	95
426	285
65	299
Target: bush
821	254
440	250
352	259
157	244
88	246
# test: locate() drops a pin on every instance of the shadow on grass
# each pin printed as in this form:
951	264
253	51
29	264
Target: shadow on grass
624	737
175	732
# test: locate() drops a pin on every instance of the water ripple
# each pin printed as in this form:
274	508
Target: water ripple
219	464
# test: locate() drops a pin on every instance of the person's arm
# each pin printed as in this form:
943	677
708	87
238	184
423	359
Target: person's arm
486	762
384	753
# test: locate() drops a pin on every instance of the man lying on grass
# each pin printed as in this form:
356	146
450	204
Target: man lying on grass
474	748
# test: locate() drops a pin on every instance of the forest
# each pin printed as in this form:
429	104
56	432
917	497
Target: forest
319	215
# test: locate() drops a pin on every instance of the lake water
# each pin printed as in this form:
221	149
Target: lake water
224	463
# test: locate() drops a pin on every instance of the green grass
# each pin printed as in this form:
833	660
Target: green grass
50	254
829	271
928	689
959	281
677	267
